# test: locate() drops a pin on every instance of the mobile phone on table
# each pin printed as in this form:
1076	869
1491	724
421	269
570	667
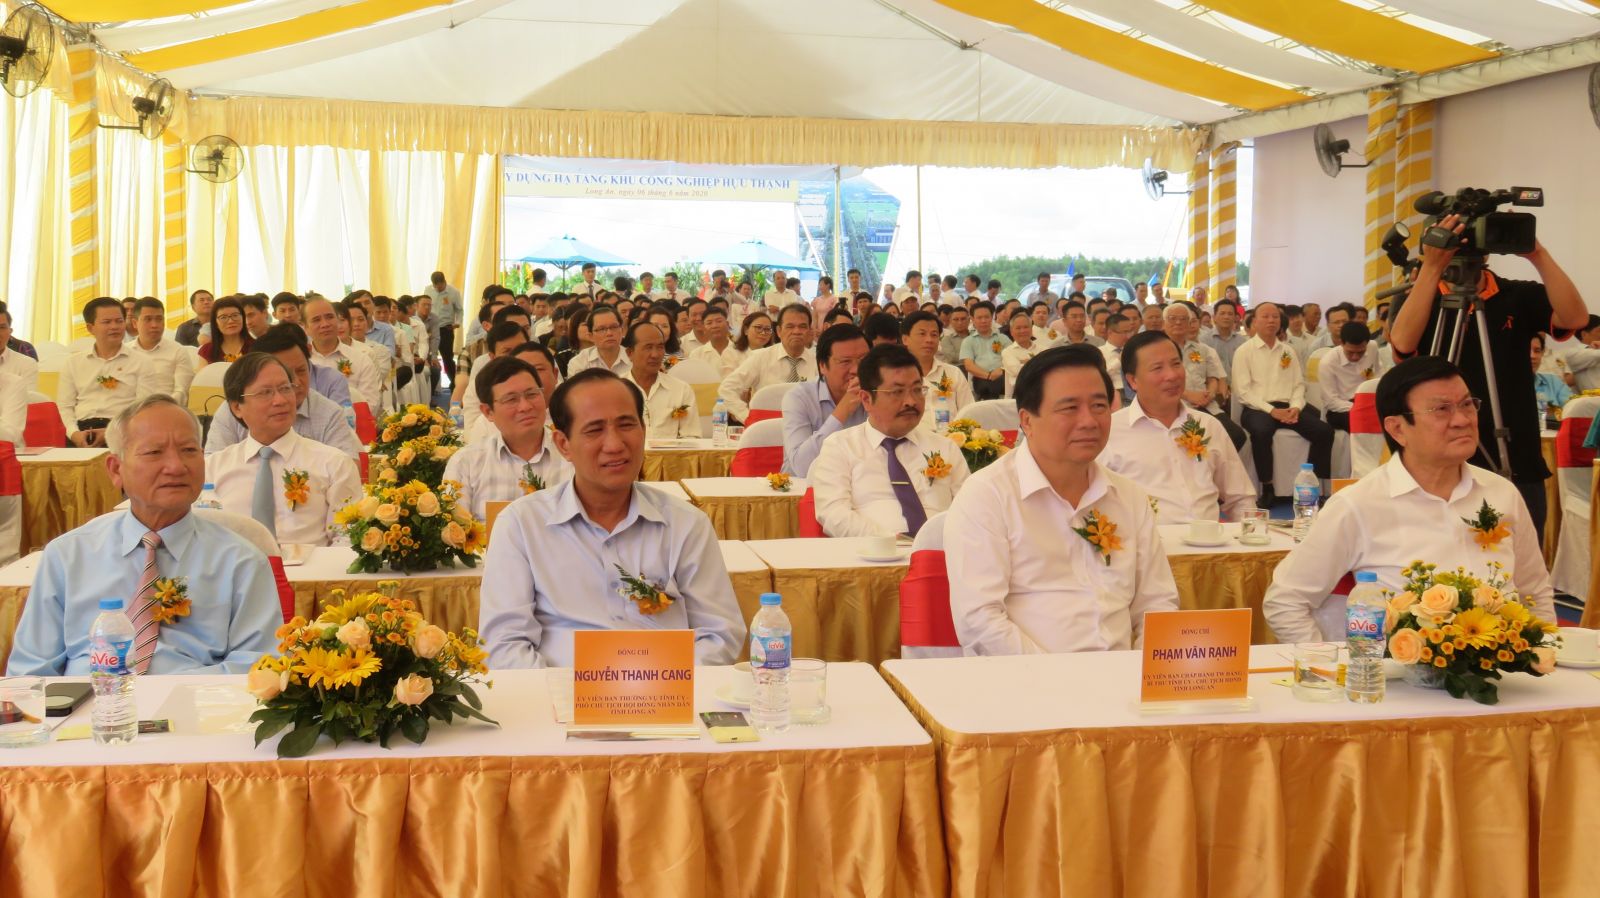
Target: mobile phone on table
728	726
61	699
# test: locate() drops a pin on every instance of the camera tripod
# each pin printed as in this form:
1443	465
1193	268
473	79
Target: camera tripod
1462	307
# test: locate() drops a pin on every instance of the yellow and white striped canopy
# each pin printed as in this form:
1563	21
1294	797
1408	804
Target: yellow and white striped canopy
1105	62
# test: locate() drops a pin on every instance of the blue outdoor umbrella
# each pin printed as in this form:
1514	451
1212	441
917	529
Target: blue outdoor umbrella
566	251
756	254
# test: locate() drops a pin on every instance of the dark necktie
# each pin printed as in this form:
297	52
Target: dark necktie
904	490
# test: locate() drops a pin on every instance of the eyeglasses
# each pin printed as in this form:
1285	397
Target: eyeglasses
900	393
1447	410
226	319
606	329
285	390
516	399
763	328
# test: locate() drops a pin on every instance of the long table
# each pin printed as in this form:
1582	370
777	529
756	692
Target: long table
63	489
1233	576
843	608
1053	783
748	507
846	808
685	458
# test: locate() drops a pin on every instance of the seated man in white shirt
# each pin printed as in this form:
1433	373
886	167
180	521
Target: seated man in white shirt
718	350
791	360
516	458
316	416
322	326
1345	368
1055	552
290	484
920	332
1270	384
889	475
1421	505
1021	351
606	327
561	553
670	409
1180	455
503	338
168	366
102	380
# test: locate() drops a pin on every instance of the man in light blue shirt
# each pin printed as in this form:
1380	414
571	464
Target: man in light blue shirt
817	409
555	568
980	353
315	418
234	611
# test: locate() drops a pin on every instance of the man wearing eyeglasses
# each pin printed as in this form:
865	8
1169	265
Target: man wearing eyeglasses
790	360
889	475
258	476
605	325
516	459
1425	502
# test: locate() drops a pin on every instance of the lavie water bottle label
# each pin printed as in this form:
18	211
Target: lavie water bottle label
1305	495
769	652
1364	622
109	656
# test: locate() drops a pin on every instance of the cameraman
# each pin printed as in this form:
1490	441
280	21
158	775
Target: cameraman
1515	311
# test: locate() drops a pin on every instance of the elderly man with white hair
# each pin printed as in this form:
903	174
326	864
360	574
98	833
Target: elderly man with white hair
1205	386
219	605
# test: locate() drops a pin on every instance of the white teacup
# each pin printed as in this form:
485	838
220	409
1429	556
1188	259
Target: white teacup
877	546
1580	644
744	682
1205	531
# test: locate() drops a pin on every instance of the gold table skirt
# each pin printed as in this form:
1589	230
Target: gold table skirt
1495	806
683	464
61	496
784	823
1227	580
752	517
842	614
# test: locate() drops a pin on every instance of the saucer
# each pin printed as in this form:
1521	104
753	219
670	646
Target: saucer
727	697
1205	543
1563	661
898	555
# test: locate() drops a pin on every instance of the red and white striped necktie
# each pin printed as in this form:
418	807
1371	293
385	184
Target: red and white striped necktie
145	626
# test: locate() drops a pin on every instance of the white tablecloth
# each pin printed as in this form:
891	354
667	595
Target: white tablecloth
669	487
69	454
740	487
842	608
865	713
831	553
1172	539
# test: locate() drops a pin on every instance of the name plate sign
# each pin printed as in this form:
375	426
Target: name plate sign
1196	655
633	678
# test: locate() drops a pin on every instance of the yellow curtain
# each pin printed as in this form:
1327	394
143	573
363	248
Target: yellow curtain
35	256
131	186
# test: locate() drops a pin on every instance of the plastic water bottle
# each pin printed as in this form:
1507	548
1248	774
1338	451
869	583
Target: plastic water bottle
941	414
349	414
208	497
457	415
114	717
719	422
1365	635
771	639
1307	490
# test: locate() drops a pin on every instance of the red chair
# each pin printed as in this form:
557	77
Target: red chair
1366	431
1010	438
809	527
760	450
285	591
366	425
361	462
10	473
44	427
767	403
927	628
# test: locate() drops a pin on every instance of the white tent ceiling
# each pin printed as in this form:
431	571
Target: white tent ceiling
1109	62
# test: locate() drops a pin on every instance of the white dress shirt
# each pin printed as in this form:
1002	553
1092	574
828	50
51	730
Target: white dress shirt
777	299
13	415
960	390
1022	581
1013	358
1339	377
551	570
81	395
760	368
332	476
590	358
13	362
169	367
363	377
724	362
1200	364
688	343
1113	356
1265	374
382	359
489	471
1184	488
471	408
1385	522
665	396
851	479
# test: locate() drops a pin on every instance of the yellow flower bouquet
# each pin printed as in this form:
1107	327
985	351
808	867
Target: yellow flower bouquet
1460	632
980	447
416	441
370	666
410	527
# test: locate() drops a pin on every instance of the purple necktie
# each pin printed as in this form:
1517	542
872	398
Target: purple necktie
904	490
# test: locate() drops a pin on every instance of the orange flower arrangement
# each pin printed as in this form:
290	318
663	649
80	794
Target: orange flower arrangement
296	488
680	413
943	388
1283	360
107	381
530	482
995	345
171	598
344	366
1490	529
779	482
937	468
1101	533
650	598
1192	439
1196	357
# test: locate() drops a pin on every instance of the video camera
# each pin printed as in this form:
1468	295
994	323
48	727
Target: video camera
1487	232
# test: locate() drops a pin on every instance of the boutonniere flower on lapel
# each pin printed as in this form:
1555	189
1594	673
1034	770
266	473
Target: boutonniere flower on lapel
1192	439
681	412
530	482
650	598
344	366
1366	373
107	381
1100	533
667	363
944	389
995	346
1283	360
1155	505
937	468
1490	528
296	488
1196	357
171	598
1050	333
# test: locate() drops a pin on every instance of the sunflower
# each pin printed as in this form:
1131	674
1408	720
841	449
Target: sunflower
357	667
318	666
341	611
1516	615
1479	628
